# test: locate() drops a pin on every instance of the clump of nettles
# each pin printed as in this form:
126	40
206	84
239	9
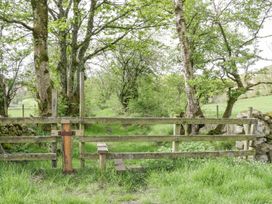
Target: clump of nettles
16	130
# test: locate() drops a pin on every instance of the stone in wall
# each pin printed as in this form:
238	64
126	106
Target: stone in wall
263	144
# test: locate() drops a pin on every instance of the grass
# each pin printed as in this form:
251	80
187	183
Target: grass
261	103
164	181
172	181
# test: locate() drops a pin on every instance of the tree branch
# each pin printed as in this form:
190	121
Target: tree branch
16	22
101	49
258	83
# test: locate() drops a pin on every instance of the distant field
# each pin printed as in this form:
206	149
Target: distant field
262	103
30	107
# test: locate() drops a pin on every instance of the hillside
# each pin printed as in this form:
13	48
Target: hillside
265	75
261	103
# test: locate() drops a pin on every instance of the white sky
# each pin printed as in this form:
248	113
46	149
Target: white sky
265	44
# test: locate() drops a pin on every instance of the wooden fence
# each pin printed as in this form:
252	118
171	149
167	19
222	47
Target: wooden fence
103	153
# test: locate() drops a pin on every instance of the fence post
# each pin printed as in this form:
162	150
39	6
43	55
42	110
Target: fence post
54	126
67	146
102	150
176	132
23	110
248	129
217	111
81	115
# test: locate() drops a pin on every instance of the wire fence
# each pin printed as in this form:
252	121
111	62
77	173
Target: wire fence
23	111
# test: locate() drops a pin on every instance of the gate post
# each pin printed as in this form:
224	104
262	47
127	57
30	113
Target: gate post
81	115
66	134
248	130
54	145
176	132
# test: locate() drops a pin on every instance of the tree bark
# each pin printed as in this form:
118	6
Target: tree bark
40	36
193	108
227	114
3	98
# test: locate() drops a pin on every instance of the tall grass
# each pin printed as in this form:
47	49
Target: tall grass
164	181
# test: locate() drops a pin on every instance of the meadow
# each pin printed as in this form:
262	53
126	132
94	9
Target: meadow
261	103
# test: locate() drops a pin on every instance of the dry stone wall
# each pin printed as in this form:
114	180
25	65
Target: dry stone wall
263	144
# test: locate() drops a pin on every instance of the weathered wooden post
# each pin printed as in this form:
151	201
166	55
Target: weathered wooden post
66	134
81	115
248	130
54	126
23	110
176	132
217	111
186	129
102	150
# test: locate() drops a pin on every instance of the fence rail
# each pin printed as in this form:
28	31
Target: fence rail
177	138
27	139
102	154
169	155
28	156
127	121
30	140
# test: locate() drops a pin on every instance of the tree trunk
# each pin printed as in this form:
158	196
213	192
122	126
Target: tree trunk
3	98
193	108
227	113
40	36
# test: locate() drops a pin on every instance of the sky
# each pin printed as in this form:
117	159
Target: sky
265	44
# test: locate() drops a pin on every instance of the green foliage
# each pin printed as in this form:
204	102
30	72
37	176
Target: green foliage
160	96
207	87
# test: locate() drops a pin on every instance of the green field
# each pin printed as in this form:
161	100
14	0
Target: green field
261	103
30	108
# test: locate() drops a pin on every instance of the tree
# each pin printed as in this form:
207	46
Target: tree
16	12
193	107
12	54
86	29
40	36
132	59
237	26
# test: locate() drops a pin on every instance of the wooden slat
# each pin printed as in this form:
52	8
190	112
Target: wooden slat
119	165
123	120
176	132
27	139
152	120
102	148
170	155
144	138
28	156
